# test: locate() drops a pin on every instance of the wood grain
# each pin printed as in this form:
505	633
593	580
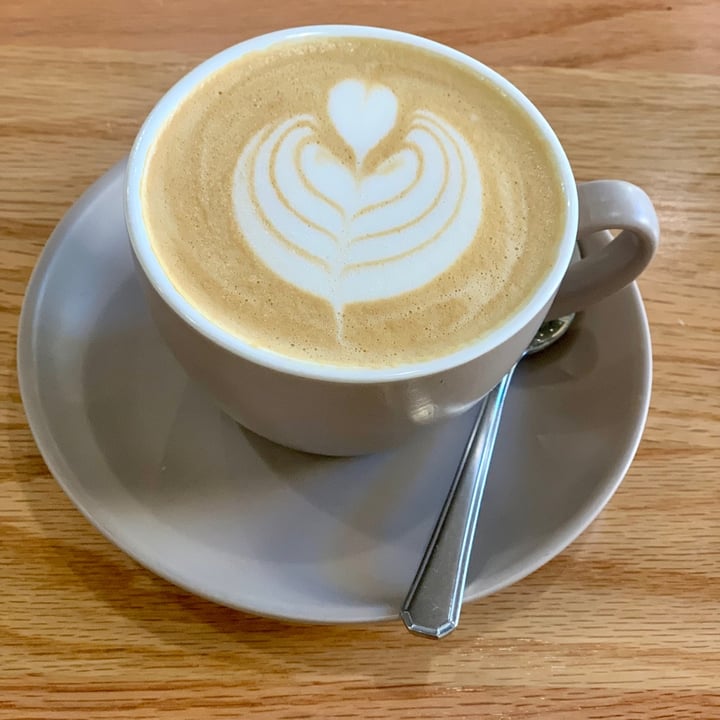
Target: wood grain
624	624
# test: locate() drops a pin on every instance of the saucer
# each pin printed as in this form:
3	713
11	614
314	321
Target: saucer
195	498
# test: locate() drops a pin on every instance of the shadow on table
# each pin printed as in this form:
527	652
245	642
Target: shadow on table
159	619
98	588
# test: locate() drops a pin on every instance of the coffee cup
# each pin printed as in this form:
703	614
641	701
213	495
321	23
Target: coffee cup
346	234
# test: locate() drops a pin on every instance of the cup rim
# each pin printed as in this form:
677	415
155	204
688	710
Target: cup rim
161	283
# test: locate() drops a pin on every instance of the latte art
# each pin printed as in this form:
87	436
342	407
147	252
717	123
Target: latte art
350	233
352	201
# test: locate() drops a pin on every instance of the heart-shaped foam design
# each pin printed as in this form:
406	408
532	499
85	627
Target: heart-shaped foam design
362	114
353	234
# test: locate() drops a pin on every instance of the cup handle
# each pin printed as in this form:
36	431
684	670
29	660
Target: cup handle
608	205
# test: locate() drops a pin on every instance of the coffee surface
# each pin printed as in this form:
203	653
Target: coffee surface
353	201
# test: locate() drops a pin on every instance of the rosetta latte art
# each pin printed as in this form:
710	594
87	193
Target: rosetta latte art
347	234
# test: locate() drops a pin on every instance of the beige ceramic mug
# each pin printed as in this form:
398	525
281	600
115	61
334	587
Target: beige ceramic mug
338	410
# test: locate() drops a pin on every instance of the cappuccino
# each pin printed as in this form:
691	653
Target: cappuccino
353	201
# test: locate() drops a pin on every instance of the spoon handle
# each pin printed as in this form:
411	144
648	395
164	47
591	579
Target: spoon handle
432	606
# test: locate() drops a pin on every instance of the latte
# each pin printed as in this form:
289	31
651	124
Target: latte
353	201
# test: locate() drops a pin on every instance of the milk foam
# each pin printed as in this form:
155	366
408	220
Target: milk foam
352	201
348	233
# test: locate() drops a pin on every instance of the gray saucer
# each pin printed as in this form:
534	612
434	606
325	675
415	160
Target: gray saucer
195	498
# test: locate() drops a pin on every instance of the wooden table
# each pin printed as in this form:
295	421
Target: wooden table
623	624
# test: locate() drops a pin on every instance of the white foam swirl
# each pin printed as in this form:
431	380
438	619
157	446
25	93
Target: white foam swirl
345	234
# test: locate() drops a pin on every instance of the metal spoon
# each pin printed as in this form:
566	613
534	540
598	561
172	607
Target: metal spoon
432	606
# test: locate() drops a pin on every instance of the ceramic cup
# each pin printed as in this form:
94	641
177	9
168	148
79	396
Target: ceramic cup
347	411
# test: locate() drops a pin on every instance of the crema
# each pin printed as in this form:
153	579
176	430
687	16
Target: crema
353	201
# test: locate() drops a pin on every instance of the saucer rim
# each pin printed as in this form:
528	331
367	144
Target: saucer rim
58	467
